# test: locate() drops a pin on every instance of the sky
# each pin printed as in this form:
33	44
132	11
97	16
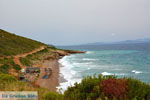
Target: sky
71	22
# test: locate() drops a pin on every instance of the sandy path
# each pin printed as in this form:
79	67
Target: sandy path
17	57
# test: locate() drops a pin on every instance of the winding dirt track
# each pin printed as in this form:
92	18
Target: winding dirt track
17	57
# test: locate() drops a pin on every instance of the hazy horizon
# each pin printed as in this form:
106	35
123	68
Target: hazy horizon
65	22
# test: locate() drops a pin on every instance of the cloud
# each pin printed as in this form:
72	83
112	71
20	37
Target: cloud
113	34
76	21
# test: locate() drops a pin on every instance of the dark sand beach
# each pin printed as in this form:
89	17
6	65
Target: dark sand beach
53	81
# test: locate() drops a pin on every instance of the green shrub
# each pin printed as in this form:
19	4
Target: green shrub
43	51
138	90
52	47
83	90
25	61
6	61
111	87
7	78
4	68
16	67
52	96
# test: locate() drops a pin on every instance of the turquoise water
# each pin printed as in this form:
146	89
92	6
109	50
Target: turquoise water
119	62
122	63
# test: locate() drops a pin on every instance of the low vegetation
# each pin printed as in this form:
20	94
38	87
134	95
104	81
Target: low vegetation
53	96
108	88
38	57
6	64
10	83
11	44
91	88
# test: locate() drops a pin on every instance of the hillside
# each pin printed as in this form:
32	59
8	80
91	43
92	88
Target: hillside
11	44
18	53
14	48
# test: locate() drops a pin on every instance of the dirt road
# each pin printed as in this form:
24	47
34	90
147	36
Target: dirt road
17	57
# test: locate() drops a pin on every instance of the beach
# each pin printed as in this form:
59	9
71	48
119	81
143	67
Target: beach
53	81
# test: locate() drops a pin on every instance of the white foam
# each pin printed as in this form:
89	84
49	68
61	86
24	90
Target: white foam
88	59
106	73
86	63
136	72
68	74
89	52
89	68
121	74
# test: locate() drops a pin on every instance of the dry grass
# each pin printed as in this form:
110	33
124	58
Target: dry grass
10	83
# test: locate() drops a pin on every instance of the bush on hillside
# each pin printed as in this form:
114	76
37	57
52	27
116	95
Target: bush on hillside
6	64
25	61
6	61
138	90
16	67
108	88
114	88
52	96
4	68
7	78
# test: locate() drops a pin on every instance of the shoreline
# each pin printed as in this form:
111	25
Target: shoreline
55	78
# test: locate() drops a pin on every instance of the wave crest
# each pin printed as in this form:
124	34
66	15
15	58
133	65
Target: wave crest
106	73
136	72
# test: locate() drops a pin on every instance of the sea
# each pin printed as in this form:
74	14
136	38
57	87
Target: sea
122	60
